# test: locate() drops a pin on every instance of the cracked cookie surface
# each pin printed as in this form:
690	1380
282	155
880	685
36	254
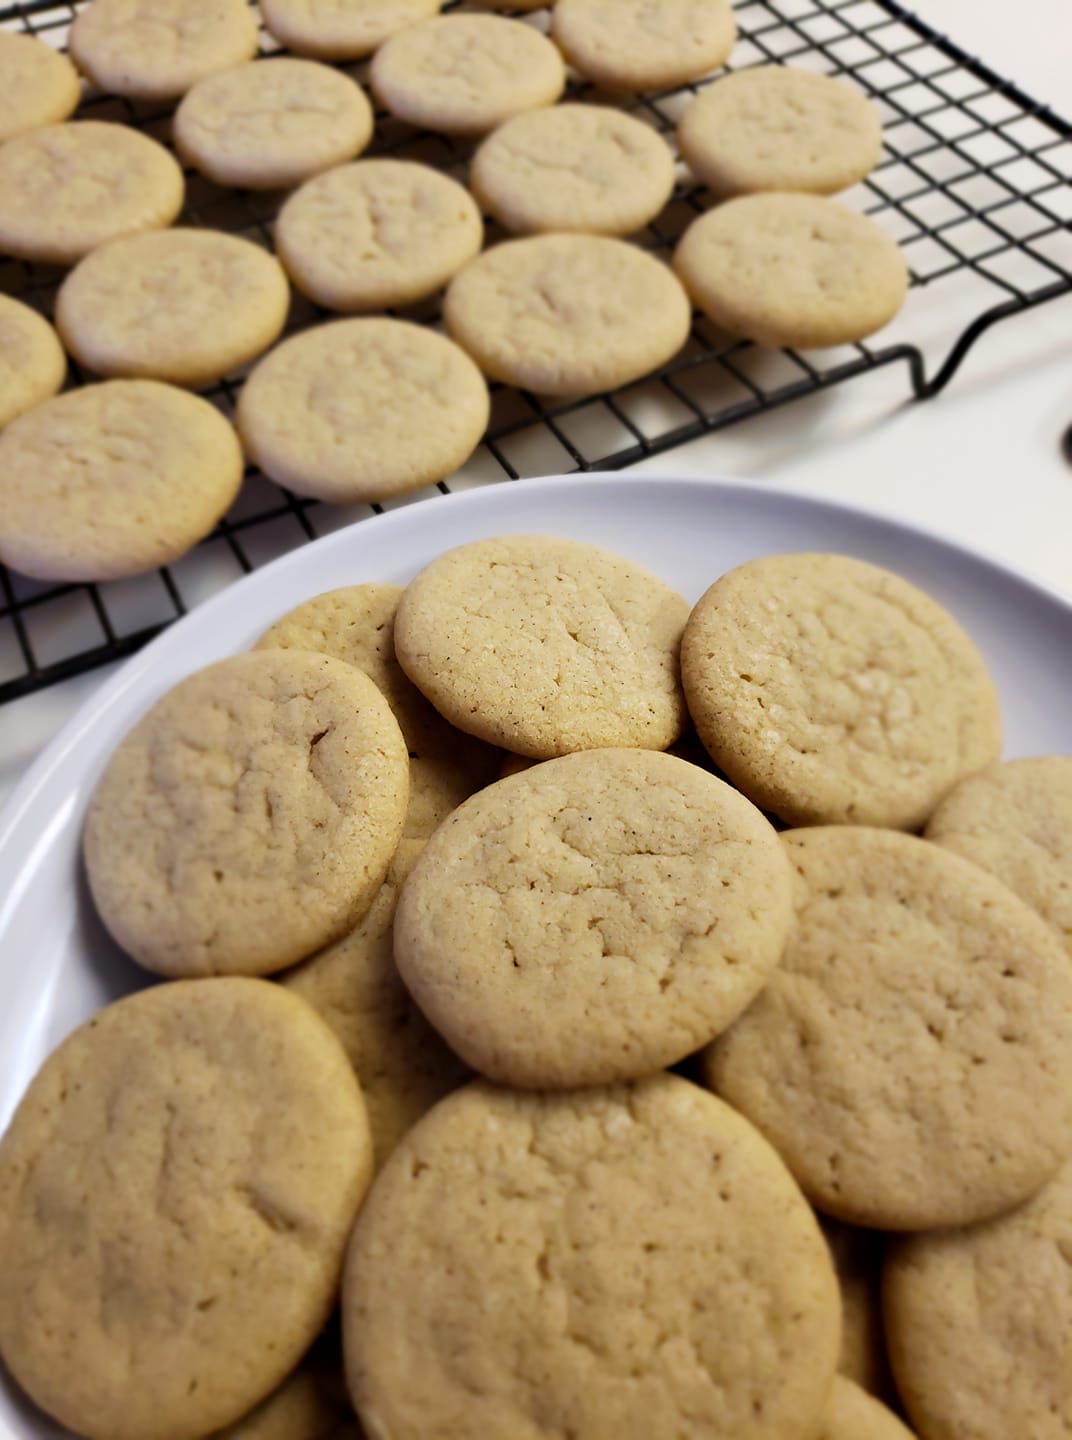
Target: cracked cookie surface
38	85
635	45
341	29
32	363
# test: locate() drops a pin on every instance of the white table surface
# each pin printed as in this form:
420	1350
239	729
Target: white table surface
982	462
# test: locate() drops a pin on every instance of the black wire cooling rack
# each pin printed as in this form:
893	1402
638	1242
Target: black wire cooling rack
974	183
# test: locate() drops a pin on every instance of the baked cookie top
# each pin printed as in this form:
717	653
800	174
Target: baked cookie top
634	45
32	363
341	29
38	85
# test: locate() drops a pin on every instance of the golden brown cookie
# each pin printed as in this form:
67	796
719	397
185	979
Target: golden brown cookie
852	1414
635	45
38	85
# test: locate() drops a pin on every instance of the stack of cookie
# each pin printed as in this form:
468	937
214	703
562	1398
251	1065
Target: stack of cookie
416	1057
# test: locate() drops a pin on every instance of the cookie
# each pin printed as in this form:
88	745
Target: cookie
115	181
465	74
1015	820
272	123
378	234
858	1258
792	270
776	128
831	691
614	1264
341	29
911	1059
980	1323
593	919
311	1404
357	624
176	1191
38	85
544	646
157	49
32	363
249	818
633	45
852	1414
113	480
567	314
187	306
362	410
573	167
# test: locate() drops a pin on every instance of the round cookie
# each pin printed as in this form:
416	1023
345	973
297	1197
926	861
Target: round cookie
32	363
465	74
38	85
832	691
341	29
378	234
911	1059
567	314
852	1414
792	270
593	919
773	127
156	49
544	646
573	167
176	1191
272	123
362	410
113	480
858	1258
610	1264
249	818
633	45
186	306
980	1324
115	181
1015	820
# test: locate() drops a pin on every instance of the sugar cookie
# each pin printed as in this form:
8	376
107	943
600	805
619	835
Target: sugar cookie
635	45
852	1414
32	363
341	29
38	85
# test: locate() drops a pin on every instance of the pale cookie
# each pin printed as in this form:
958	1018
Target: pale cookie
832	691
357	624
38	85
567	314
607	1264
1015	820
176	1192
544	646
32	363
65	189
573	167
341	29
858	1261
980	1324
465	74
593	919
776	128
250	817
311	1404
911	1059
156	49
796	270
636	45
113	480
362	410
272	123
852	1414
377	234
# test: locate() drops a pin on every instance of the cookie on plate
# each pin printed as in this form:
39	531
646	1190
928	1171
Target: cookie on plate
32	363
38	85
633	45
341	29
852	1414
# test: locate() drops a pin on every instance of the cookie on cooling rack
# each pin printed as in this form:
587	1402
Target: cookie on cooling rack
632	45
339	29
32	363
38	85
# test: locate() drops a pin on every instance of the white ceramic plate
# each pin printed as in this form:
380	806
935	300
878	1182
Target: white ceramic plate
56	963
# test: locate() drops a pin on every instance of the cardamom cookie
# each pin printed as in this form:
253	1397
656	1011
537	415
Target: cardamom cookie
32	363
362	410
610	1264
567	314
186	306
38	85
156	49
271	124
792	270
593	919
633	45
858	1256
113	480
176	1191
832	691
249	818
465	74
911	1059
377	234
341	29
852	1414
1015	820
772	127
544	646
65	189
